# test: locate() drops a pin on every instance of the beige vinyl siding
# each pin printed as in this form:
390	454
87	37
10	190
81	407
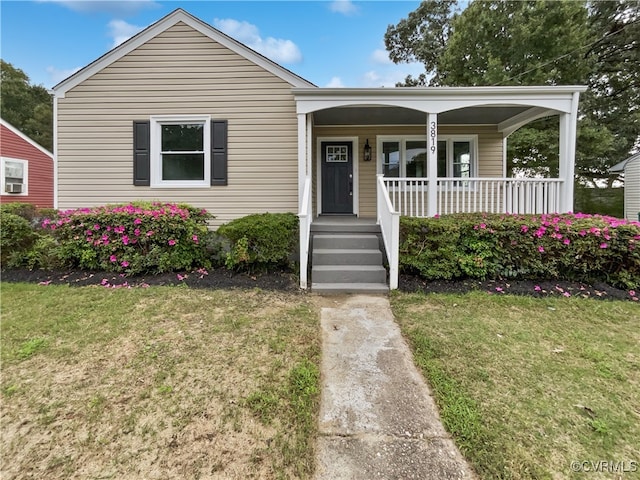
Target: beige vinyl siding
632	190
180	72
489	153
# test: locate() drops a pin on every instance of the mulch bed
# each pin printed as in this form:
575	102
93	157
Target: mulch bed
212	278
287	281
601	291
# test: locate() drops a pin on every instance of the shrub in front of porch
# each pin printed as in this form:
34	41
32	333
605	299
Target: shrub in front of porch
575	247
261	241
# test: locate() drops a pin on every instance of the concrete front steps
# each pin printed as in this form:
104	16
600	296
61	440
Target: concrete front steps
346	258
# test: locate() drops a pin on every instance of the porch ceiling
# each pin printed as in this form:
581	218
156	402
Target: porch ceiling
382	115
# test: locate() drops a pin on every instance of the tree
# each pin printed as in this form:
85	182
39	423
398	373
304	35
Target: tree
422	37
517	43
540	43
612	103
27	107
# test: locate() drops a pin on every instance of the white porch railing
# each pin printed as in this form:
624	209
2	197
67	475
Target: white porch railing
389	221
408	196
306	217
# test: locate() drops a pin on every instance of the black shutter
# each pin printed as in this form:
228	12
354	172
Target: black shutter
218	152
141	153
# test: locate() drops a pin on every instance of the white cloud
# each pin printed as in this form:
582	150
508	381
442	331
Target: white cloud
277	49
388	76
113	7
372	77
122	31
57	75
345	7
381	56
335	82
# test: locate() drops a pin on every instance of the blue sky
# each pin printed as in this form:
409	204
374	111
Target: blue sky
330	43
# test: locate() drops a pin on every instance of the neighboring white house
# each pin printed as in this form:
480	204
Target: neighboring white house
631	170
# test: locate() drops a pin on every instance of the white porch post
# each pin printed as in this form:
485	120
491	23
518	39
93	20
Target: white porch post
302	155
568	135
309	141
302	211
432	164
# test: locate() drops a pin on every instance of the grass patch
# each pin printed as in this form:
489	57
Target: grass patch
121	383
526	386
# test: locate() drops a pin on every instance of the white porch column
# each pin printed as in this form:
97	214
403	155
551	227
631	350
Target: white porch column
432	164
305	213
568	135
309	145
302	155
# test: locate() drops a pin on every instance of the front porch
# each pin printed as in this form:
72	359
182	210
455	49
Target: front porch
418	152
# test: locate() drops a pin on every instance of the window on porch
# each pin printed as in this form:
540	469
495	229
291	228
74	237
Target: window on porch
407	157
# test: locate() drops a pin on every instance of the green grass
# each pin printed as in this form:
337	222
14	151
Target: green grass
526	386
105	383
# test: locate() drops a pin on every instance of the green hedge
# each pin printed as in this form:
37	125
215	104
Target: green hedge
23	242
16	238
577	247
261	241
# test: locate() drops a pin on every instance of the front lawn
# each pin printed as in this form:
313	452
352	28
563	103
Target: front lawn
527	386
157	383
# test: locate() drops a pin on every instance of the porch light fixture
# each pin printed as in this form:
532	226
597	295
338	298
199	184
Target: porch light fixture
367	151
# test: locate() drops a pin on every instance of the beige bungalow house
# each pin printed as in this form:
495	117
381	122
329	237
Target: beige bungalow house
182	112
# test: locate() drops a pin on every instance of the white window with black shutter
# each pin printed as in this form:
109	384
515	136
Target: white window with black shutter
188	151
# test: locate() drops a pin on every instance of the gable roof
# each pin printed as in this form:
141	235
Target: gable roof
619	167
178	15
24	137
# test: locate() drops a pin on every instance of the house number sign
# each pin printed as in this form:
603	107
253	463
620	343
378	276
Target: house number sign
433	134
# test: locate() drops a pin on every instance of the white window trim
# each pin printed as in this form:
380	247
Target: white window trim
156	123
25	179
402	139
473	140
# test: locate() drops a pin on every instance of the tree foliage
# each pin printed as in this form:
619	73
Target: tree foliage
500	43
612	103
422	37
538	43
27	107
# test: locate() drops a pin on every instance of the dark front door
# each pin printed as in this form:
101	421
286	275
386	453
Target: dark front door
337	177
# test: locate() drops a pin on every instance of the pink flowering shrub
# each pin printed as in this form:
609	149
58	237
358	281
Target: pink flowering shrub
132	238
501	246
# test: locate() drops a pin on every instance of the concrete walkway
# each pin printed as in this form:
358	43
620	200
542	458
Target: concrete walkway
377	417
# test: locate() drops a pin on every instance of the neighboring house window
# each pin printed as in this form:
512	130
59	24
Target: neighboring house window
14	176
180	152
407	156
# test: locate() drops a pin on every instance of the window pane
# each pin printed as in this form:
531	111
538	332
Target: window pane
416	159
461	159
14	171
391	159
186	137
336	153
442	158
183	166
